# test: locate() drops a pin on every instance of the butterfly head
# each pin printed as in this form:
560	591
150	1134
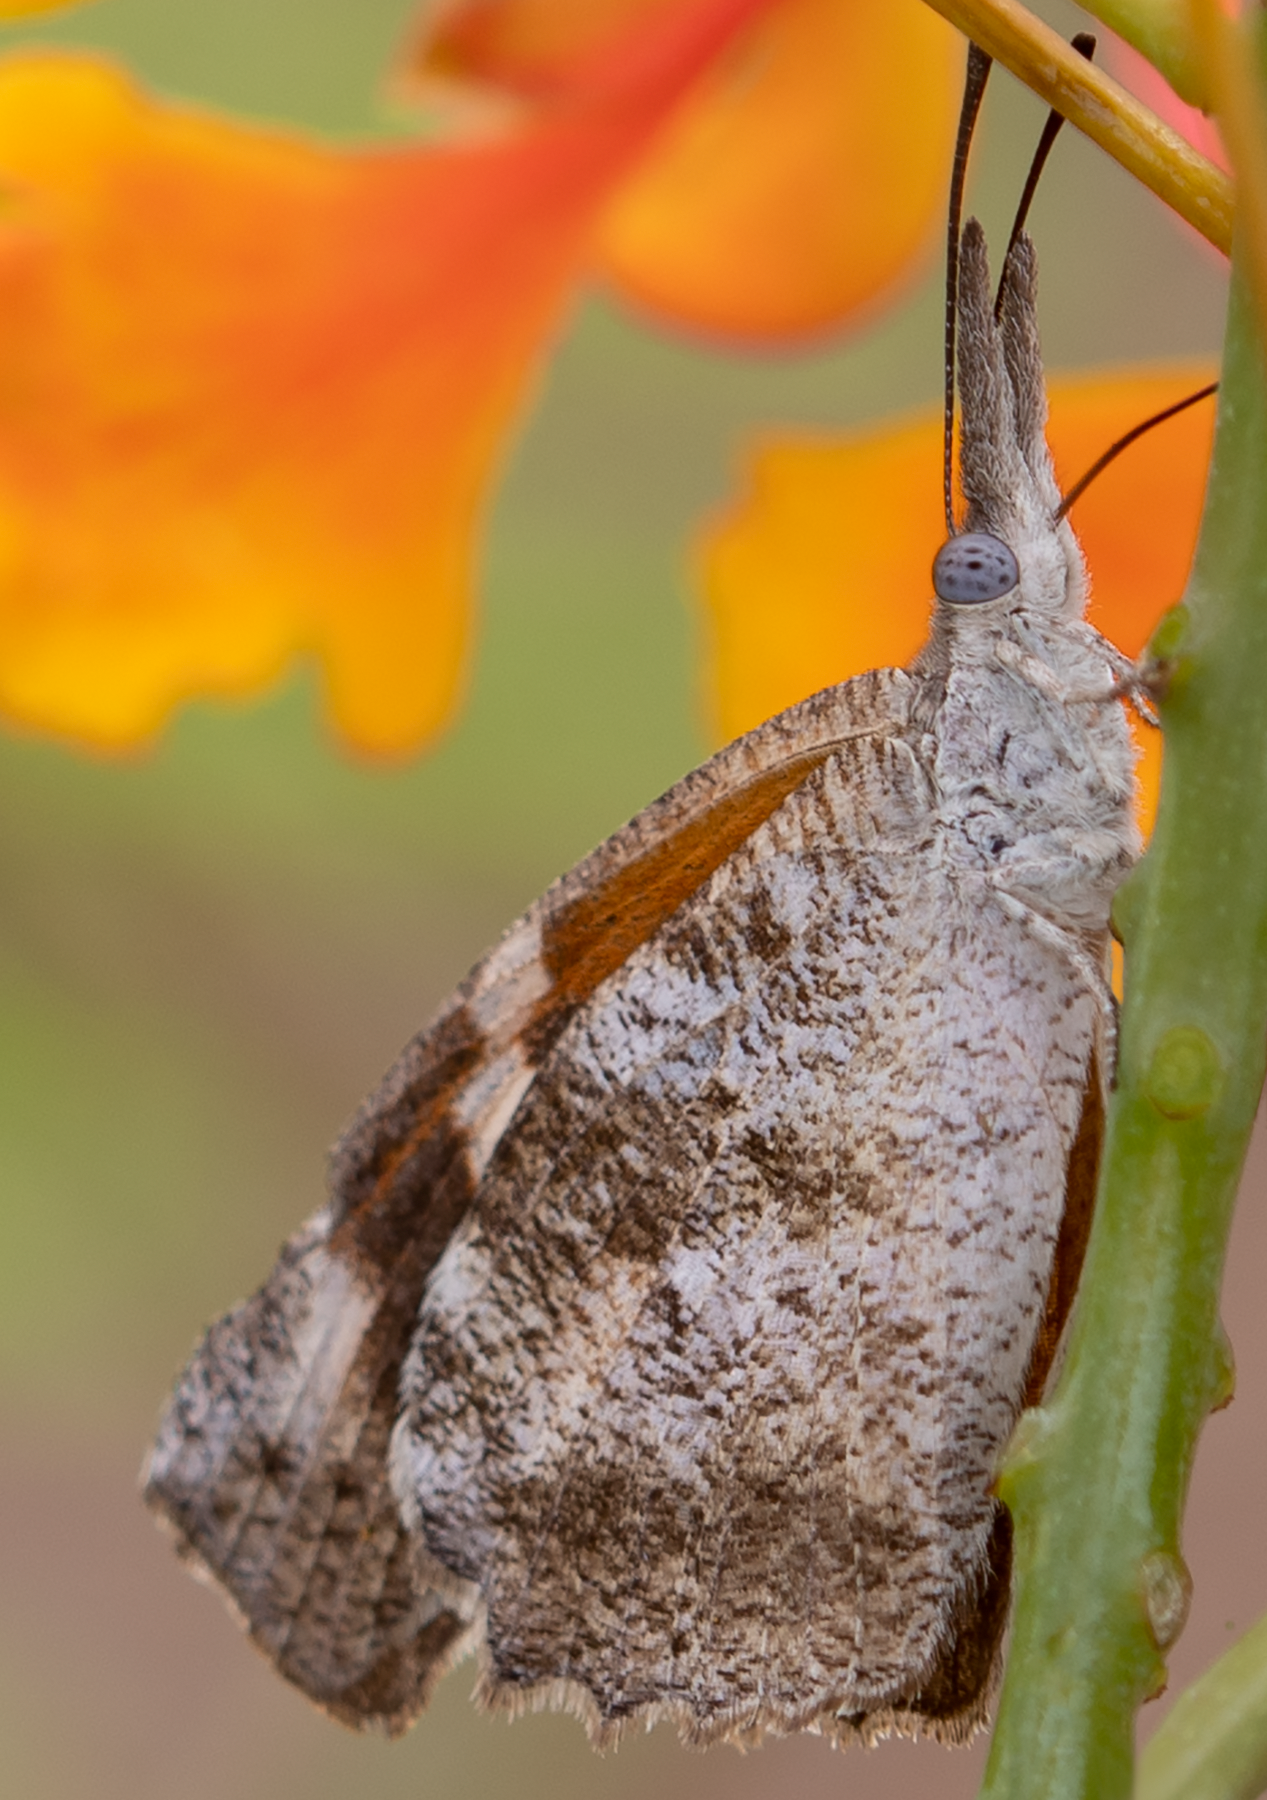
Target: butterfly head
1014	552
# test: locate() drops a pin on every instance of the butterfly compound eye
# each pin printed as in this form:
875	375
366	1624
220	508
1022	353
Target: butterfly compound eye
974	567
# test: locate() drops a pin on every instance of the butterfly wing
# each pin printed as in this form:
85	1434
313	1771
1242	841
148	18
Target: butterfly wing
709	1385
270	1464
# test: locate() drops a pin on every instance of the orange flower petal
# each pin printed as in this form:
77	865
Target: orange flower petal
804	181
1138	521
822	569
801	181
251	390
528	48
27	9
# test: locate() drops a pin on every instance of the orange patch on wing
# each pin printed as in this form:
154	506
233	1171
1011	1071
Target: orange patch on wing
822	569
601	928
252	390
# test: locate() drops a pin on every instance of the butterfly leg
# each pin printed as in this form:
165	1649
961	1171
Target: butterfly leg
1141	682
1138	683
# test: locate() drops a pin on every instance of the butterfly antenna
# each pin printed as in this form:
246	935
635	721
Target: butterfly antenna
1116	448
975	78
1084	44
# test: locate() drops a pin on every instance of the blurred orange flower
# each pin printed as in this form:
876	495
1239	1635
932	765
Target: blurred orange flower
823	567
252	390
28	9
796	188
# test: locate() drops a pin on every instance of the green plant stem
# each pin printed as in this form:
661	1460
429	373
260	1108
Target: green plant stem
1225	47
1097	1477
1213	1745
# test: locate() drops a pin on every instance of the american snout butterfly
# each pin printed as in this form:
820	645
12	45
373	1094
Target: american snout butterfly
681	1284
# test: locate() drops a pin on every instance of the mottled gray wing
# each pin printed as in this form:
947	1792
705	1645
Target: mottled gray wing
270	1463
709	1386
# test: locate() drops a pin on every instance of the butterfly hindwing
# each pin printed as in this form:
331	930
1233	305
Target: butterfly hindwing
708	1386
270	1465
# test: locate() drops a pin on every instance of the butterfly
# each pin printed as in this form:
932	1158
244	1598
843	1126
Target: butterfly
681	1284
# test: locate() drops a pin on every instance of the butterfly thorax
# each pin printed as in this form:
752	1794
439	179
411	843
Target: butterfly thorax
1034	785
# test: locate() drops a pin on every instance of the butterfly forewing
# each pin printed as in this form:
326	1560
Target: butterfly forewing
707	1391
270	1465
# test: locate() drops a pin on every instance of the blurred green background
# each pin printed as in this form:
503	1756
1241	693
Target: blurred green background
209	952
